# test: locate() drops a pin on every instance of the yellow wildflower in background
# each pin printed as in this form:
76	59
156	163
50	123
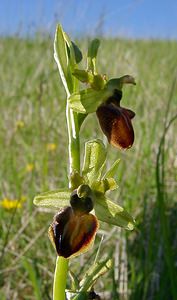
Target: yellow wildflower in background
9	204
51	147
29	168
19	124
12	203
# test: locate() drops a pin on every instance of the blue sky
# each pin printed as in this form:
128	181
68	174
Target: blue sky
129	18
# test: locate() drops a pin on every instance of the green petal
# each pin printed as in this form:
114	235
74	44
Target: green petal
111	213
57	199
87	101
94	160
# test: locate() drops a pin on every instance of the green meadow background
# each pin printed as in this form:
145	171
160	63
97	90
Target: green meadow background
33	159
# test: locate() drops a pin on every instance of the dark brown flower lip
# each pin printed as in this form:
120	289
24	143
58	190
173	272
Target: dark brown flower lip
72	234
115	122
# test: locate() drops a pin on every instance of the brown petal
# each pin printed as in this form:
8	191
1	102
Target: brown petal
72	234
116	124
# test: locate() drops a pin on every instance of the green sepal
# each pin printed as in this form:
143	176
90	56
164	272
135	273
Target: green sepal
117	83
87	101
92	54
94	160
104	185
111	213
57	198
113	169
94	272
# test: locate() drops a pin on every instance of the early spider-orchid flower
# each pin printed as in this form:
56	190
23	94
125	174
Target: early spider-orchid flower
74	227
115	122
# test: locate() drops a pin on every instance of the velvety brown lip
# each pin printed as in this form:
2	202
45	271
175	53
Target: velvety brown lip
115	122
72	233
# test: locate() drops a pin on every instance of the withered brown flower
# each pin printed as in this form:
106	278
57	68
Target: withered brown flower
115	121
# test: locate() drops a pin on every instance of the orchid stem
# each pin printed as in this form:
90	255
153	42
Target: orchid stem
74	141
61	269
60	278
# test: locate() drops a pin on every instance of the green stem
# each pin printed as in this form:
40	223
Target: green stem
61	268
60	277
74	141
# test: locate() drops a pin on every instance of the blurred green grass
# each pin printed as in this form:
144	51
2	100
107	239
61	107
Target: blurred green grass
32	105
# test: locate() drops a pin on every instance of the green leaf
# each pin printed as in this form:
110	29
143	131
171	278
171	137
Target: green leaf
94	273
111	172
104	185
74	281
92	54
80	296
87	101
56	199
111	213
94	160
60	55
